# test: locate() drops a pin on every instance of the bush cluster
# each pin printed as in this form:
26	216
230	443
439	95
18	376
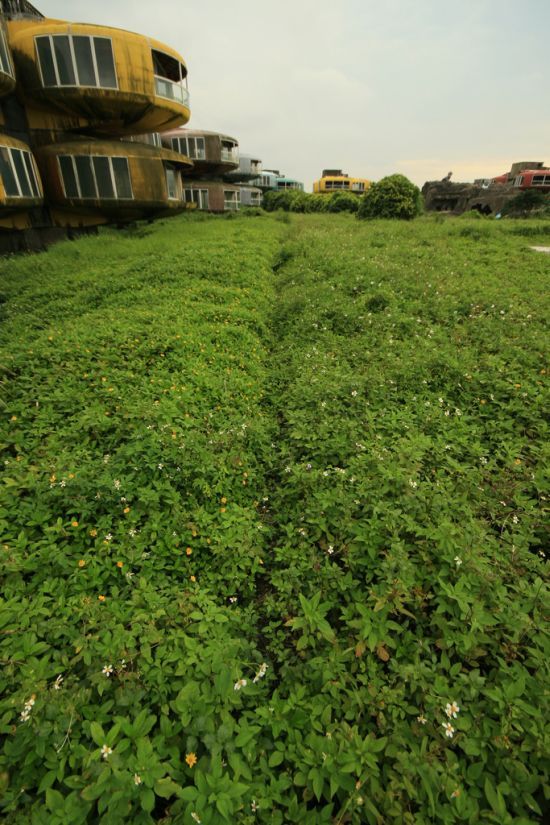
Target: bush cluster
271	526
295	201
391	197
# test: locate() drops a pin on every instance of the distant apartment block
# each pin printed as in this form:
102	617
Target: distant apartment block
334	180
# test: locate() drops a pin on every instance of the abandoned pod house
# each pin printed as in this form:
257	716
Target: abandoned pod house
214	156
73	96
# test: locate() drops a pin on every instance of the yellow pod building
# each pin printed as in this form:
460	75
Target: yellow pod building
334	180
74	100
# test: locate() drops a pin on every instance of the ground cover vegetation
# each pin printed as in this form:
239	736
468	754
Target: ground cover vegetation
272	524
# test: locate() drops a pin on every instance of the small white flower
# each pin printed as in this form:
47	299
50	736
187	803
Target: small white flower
107	670
232	599
452	710
330	549
109	537
288	469
457	560
422	719
449	730
483	460
25	715
196	817
515	519
30	702
413	484
457	411
137	779
253	806
58	682
116	484
132	532
261	673
106	751
354	393
160	466
62	483
240	683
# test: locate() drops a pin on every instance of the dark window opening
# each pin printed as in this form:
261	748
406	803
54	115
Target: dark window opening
168	67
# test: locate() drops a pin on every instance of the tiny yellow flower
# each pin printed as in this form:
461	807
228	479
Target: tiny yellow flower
188	551
82	563
224	500
119	564
101	598
191	759
193	578
93	533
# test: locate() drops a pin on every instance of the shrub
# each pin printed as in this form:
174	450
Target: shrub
342	202
526	203
392	197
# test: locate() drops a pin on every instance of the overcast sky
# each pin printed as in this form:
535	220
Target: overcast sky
373	87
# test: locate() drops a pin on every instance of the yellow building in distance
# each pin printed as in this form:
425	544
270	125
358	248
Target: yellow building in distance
334	180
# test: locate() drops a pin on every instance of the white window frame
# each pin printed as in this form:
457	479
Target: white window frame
234	202
36	189
97	197
179	144
77	85
9	70
179	194
201	200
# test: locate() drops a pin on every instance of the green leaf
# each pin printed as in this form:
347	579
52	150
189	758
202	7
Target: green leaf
166	787
54	801
275	759
97	733
147	800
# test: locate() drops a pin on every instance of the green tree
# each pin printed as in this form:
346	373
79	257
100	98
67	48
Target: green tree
392	197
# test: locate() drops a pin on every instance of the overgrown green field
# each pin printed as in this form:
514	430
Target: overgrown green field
272	519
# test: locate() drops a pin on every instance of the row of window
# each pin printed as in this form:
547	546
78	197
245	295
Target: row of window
5	62
95	177
79	60
76	60
193	147
537	180
18	173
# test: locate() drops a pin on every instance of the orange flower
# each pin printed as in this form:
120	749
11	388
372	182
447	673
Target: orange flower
188	551
81	563
191	759
126	510
222	509
119	564
101	598
74	523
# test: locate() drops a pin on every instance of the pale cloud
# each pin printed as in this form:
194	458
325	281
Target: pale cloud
413	86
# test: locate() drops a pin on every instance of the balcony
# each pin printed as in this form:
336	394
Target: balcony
230	155
171	91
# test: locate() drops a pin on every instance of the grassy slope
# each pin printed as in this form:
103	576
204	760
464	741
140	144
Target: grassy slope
326	440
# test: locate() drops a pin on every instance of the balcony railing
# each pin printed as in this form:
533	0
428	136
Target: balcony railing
230	155
171	90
